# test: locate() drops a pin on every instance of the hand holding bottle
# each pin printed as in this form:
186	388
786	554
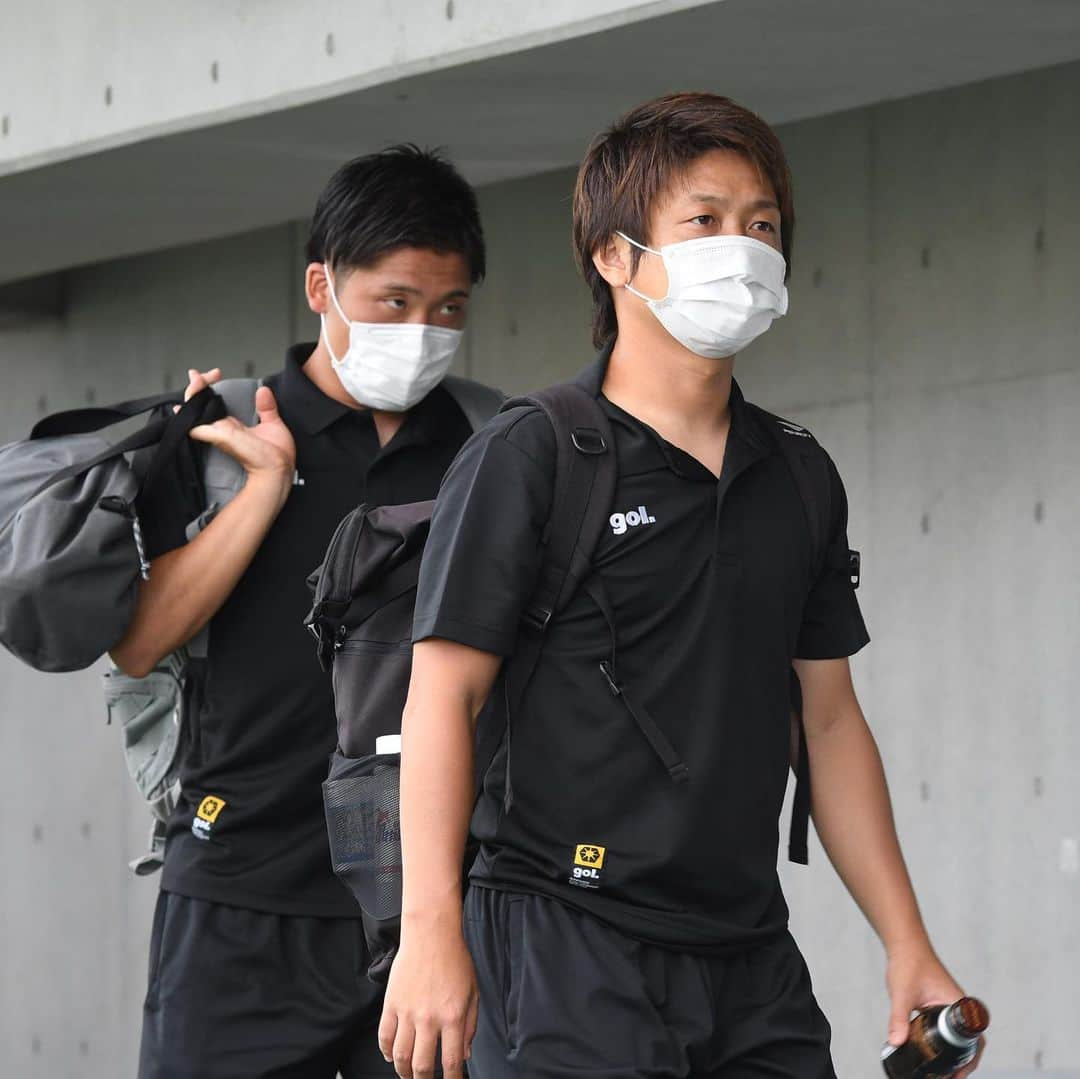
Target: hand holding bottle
917	981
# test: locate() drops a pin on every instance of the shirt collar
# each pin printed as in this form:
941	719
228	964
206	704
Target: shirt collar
303	399
425	424
430	420
746	423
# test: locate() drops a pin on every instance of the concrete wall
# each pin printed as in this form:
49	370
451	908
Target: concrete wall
931	346
81	78
76	923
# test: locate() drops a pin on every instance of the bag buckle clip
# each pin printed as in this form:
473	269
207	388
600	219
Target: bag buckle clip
589	441
537	617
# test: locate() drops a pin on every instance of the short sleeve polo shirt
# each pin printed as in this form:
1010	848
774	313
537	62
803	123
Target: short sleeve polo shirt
713	590
261	725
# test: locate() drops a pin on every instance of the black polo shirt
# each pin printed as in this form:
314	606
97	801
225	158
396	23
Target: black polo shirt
713	592
261	725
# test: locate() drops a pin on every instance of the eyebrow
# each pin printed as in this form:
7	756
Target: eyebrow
455	294
757	204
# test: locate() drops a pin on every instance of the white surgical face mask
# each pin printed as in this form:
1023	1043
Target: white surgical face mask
723	292
391	366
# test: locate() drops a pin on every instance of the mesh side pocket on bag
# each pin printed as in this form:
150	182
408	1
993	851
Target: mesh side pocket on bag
364	828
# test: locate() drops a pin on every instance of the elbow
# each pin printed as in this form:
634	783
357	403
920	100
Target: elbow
134	661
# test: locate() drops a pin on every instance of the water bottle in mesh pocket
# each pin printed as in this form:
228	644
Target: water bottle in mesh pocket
364	826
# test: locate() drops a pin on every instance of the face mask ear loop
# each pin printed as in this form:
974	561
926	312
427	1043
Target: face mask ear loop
642	247
333	295
630	288
326	339
337	307
640	295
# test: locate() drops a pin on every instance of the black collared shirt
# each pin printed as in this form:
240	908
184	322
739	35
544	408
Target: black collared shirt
713	590
261	726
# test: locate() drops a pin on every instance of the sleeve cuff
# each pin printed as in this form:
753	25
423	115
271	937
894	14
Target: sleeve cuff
499	642
834	647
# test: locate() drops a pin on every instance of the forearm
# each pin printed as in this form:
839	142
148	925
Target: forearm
436	803
187	586
853	816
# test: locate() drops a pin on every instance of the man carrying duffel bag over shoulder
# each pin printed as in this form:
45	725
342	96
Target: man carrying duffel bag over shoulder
258	960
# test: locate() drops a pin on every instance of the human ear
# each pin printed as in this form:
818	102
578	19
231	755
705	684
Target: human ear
612	261
316	288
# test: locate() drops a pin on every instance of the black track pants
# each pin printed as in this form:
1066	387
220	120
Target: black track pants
240	994
562	995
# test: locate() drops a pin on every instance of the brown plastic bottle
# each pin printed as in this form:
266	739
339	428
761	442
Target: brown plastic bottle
941	1040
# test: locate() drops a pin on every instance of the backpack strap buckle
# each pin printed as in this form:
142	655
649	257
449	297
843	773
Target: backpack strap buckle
589	441
329	637
537	616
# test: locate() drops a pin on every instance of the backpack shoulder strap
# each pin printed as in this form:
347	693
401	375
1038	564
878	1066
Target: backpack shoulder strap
238	394
809	467
584	486
582	493
808	464
223	476
477	401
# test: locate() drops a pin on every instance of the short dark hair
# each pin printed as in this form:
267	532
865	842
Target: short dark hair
631	163
400	197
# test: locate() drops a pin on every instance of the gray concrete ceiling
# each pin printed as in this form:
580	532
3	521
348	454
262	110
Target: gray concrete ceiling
520	114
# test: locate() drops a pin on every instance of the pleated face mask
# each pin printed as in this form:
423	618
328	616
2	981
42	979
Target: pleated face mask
391	366
723	292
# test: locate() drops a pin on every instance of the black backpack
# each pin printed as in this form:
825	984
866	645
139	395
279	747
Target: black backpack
364	595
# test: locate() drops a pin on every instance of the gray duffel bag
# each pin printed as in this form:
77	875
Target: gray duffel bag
71	551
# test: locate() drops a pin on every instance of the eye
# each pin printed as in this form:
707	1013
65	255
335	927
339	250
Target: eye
704	220
450	309
396	302
764	226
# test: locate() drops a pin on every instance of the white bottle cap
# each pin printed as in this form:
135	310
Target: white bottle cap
388	743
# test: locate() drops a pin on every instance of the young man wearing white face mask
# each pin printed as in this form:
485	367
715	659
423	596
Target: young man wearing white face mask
258	959
619	923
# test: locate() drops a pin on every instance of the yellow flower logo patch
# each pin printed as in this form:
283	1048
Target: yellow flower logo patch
590	856
209	808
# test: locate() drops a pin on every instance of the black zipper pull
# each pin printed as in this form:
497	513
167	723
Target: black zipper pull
616	689
647	725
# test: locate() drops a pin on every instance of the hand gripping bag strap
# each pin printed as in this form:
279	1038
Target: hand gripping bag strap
477	401
203	407
583	490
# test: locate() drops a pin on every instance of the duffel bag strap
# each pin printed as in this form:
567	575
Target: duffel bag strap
82	421
169	432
